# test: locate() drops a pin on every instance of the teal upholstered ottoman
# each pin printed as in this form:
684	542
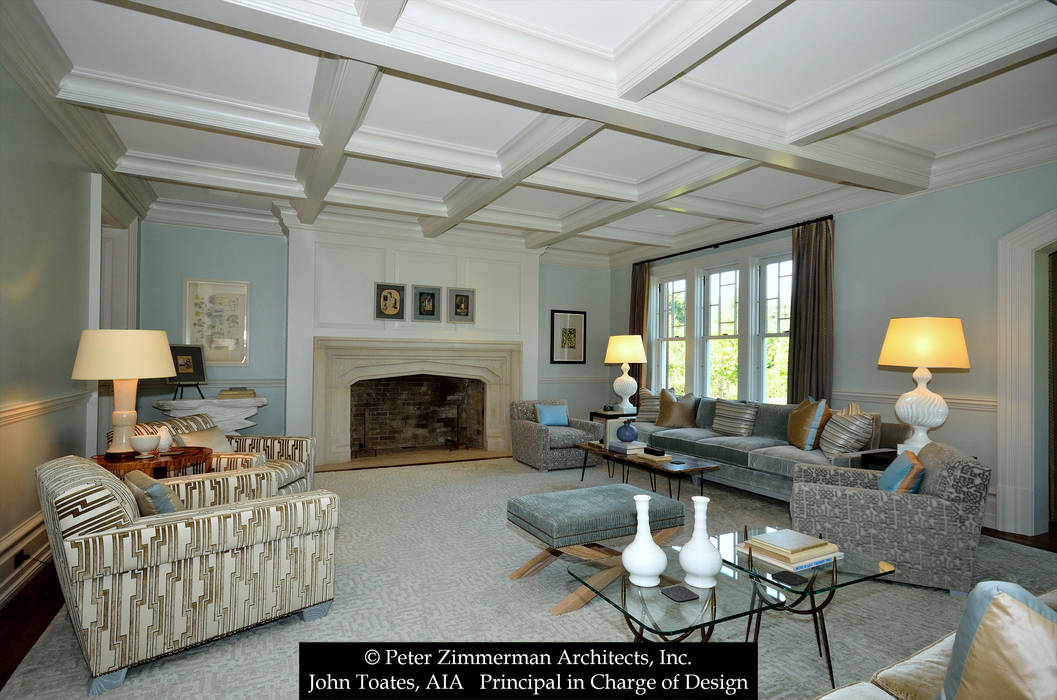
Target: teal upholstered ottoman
573	522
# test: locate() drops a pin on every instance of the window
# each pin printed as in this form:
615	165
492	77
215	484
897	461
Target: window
671	335
776	292
722	341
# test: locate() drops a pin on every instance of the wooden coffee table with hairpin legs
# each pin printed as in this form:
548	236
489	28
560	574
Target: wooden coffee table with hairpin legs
680	466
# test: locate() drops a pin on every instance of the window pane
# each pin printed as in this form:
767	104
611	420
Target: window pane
676	304
778	293
675	366
723	303
723	368
776	369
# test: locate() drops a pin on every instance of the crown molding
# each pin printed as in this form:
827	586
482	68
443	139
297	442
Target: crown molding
1025	148
115	93
1007	35
200	215
385	200
575	258
382	144
193	172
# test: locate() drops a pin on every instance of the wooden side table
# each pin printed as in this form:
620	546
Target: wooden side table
195	459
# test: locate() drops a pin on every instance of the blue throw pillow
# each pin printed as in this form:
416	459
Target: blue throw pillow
551	414
903	475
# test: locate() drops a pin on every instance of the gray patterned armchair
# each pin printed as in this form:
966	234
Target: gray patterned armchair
930	536
547	447
139	587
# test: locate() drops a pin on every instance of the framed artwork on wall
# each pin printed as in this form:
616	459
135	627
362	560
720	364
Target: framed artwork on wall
189	361
568	337
462	305
390	301
427	303
217	317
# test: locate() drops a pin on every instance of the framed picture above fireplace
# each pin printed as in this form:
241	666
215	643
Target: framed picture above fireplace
425	303
568	337
390	300
462	305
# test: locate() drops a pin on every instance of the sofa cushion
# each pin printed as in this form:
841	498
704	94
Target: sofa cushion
733	449
706	413
734	418
781	459
647	429
565	436
921	676
805	423
676	412
845	434
686	435
772	420
649	406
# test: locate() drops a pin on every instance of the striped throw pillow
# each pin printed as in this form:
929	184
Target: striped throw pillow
734	418
845	434
649	406
852	409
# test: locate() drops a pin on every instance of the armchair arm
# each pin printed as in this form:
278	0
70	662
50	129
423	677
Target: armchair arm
530	442
592	427
836	476
221	488
226	461
162	539
277	447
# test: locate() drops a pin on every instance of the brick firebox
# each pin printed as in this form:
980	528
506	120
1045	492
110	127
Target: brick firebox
417	411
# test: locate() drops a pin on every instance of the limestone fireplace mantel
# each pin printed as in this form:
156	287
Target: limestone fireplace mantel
340	362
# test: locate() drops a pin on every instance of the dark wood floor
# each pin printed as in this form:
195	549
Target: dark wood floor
28	614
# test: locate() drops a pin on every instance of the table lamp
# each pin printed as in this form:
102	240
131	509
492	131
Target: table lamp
623	349
125	357
923	342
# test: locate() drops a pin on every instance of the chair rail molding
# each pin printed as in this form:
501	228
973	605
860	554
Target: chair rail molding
25	410
1022	502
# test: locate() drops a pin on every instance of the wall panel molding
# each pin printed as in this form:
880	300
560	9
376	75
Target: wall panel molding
955	403
16	412
575	380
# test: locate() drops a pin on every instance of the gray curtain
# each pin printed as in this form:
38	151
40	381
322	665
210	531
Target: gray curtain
811	322
638	317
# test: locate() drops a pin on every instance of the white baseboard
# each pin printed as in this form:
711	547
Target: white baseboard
31	537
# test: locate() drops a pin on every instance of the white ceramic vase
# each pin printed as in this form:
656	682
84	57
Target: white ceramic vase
164	439
643	559
699	557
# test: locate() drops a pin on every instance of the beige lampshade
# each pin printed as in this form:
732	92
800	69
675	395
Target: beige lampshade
123	354
625	348
925	341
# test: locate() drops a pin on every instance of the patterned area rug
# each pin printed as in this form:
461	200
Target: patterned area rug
424	554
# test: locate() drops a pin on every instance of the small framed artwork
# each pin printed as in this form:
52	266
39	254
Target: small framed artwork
190	365
217	317
427	301
389	301
568	337
462	305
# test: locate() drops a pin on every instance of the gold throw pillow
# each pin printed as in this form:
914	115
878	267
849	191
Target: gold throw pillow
806	423
676	413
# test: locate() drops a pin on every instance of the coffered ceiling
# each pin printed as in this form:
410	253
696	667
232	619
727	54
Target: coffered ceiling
598	131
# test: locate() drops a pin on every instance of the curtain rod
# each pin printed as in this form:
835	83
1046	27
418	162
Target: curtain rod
736	240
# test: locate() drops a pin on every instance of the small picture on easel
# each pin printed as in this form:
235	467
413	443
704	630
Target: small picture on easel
190	367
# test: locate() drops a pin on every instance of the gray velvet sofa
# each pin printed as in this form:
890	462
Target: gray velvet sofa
764	461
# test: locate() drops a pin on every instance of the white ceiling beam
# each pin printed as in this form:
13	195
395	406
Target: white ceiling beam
482	63
1012	33
563	178
624	235
697	205
690	176
384	200
543	141
202	174
681	38
515	219
341	95
419	151
380	14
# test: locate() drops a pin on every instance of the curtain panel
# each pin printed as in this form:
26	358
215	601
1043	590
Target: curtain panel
811	322
638	317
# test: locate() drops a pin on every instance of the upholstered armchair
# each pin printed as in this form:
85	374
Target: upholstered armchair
547	447
930	536
294	457
139	587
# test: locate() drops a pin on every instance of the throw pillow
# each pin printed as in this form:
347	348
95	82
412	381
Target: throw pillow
213	438
675	412
152	496
845	434
806	422
734	418
1005	646
852	409
552	414
649	406
903	475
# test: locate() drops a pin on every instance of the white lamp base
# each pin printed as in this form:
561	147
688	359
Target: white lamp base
123	417
921	409
625	387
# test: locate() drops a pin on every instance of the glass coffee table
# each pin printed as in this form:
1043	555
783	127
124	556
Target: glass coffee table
648	611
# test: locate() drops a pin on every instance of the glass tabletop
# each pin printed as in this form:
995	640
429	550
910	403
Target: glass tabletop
853	568
656	613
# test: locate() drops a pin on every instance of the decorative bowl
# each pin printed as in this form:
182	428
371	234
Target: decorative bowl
144	444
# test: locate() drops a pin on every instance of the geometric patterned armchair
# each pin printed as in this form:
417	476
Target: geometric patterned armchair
140	587
548	447
294	457
930	536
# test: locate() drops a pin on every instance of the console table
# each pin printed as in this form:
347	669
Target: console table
229	414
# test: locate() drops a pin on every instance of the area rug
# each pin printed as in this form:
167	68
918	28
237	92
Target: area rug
424	553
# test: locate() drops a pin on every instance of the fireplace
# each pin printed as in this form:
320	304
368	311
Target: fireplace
341	363
418	411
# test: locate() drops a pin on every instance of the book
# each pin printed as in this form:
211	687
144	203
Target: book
627	448
795	557
659	459
237	392
786	541
763	557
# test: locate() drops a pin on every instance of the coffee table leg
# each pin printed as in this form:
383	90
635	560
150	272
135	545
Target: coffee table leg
583	469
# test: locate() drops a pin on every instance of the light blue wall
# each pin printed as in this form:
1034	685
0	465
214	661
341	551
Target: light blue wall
586	387
169	255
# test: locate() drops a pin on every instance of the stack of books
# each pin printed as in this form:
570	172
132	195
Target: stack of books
627	448
791	550
656	459
237	392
